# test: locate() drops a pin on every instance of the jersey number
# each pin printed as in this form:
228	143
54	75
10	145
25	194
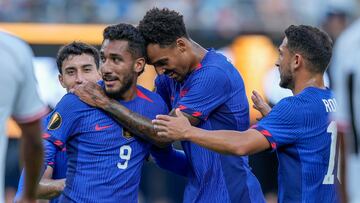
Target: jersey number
125	154
329	177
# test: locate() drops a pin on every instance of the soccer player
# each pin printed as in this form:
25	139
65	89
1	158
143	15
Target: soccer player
209	90
298	127
20	99
346	82
77	62
104	158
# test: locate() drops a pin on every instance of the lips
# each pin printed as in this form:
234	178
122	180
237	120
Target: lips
110	80
110	83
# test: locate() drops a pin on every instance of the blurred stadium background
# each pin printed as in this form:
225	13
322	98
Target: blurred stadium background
247	31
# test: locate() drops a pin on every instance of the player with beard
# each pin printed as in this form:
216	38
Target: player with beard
209	89
77	62
105	159
298	128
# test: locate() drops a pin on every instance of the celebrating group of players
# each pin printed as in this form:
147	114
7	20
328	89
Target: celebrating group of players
98	136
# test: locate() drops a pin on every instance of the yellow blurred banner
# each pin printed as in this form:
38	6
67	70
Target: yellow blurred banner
40	33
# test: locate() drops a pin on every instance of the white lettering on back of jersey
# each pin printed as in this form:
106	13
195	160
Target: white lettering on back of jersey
330	105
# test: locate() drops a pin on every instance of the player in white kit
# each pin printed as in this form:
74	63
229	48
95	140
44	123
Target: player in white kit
19	99
345	70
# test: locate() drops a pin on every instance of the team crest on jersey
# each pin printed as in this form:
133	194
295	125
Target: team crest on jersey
127	134
55	121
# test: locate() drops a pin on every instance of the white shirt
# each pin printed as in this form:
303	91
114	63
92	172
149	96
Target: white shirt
18	95
346	64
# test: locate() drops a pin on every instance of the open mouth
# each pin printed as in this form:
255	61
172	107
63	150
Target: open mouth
110	80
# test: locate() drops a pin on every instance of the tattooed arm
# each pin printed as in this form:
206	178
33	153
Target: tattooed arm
93	95
137	124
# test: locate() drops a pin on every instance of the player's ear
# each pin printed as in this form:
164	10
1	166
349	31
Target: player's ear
139	64
61	80
181	44
297	61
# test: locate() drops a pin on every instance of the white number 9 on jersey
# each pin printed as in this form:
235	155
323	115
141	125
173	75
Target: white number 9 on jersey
125	154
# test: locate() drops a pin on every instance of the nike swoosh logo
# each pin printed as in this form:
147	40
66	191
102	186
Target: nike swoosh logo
97	127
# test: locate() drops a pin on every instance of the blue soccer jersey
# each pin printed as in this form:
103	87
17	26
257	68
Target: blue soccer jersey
215	94
57	159
104	159
300	131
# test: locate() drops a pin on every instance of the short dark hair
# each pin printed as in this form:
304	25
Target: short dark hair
162	26
129	33
76	48
314	45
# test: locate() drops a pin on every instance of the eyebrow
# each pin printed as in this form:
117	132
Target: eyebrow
115	55
159	61
86	65
111	55
69	68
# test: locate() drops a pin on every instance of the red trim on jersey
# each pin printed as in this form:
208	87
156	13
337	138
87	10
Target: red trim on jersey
182	107
273	145
142	95
266	133
45	135
197	114
58	143
198	66
183	92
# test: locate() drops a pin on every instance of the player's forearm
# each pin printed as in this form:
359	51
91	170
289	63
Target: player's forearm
32	152
49	188
137	124
226	141
220	141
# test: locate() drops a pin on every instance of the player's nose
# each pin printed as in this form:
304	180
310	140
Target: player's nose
105	69
79	79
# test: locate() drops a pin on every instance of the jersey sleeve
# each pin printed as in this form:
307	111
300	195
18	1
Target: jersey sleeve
171	159
64	121
162	88
162	107
281	126
49	148
28	106
50	152
210	87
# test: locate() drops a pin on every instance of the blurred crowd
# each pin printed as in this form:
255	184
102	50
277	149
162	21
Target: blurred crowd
225	18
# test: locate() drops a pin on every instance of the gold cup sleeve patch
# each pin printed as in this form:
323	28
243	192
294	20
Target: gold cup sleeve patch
127	134
55	121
